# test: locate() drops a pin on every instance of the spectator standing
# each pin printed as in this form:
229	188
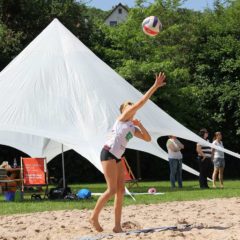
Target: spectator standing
204	159
218	160
174	147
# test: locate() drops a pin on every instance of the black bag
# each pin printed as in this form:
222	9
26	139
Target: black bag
36	197
58	193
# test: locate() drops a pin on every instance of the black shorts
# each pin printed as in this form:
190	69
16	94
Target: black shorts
106	155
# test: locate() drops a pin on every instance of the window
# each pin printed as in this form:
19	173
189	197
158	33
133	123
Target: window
120	11
113	23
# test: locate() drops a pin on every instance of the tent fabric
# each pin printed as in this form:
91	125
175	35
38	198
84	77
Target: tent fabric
56	91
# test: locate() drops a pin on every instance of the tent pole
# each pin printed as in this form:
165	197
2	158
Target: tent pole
63	169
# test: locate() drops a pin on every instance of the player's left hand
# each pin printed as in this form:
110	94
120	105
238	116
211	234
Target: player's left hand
136	122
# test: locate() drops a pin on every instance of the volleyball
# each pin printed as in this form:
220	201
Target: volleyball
151	26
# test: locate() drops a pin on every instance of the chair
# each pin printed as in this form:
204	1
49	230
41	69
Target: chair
34	174
128	174
6	182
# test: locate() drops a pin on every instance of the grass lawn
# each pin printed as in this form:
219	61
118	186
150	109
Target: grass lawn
190	191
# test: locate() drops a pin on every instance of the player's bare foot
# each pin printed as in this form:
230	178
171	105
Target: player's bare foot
117	229
95	224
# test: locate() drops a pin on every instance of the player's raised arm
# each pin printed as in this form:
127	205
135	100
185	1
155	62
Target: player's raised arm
131	111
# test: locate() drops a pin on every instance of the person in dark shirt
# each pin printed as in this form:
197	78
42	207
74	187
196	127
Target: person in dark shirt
204	159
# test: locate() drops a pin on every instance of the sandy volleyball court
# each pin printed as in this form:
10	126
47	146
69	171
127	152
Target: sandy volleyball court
208	219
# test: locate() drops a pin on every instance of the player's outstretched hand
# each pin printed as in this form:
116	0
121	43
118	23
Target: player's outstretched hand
160	80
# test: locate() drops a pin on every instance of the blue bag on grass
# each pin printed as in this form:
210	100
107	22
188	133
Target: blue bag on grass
84	194
9	196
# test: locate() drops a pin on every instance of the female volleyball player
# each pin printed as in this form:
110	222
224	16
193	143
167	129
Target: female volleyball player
123	130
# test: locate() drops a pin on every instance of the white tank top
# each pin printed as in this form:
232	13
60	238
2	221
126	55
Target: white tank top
218	153
118	138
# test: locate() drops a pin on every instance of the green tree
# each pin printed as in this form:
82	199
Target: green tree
215	66
10	44
30	17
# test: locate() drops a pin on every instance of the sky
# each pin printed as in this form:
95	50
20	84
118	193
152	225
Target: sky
107	4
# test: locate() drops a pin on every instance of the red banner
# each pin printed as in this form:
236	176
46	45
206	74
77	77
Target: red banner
34	171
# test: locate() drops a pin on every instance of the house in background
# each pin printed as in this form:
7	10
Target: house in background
117	15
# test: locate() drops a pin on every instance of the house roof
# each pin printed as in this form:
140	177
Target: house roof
119	5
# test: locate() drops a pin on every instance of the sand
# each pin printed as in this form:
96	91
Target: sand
208	219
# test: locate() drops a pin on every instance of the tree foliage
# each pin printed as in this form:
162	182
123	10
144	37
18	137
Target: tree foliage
25	19
199	51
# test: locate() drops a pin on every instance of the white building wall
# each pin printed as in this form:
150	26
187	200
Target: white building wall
116	16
